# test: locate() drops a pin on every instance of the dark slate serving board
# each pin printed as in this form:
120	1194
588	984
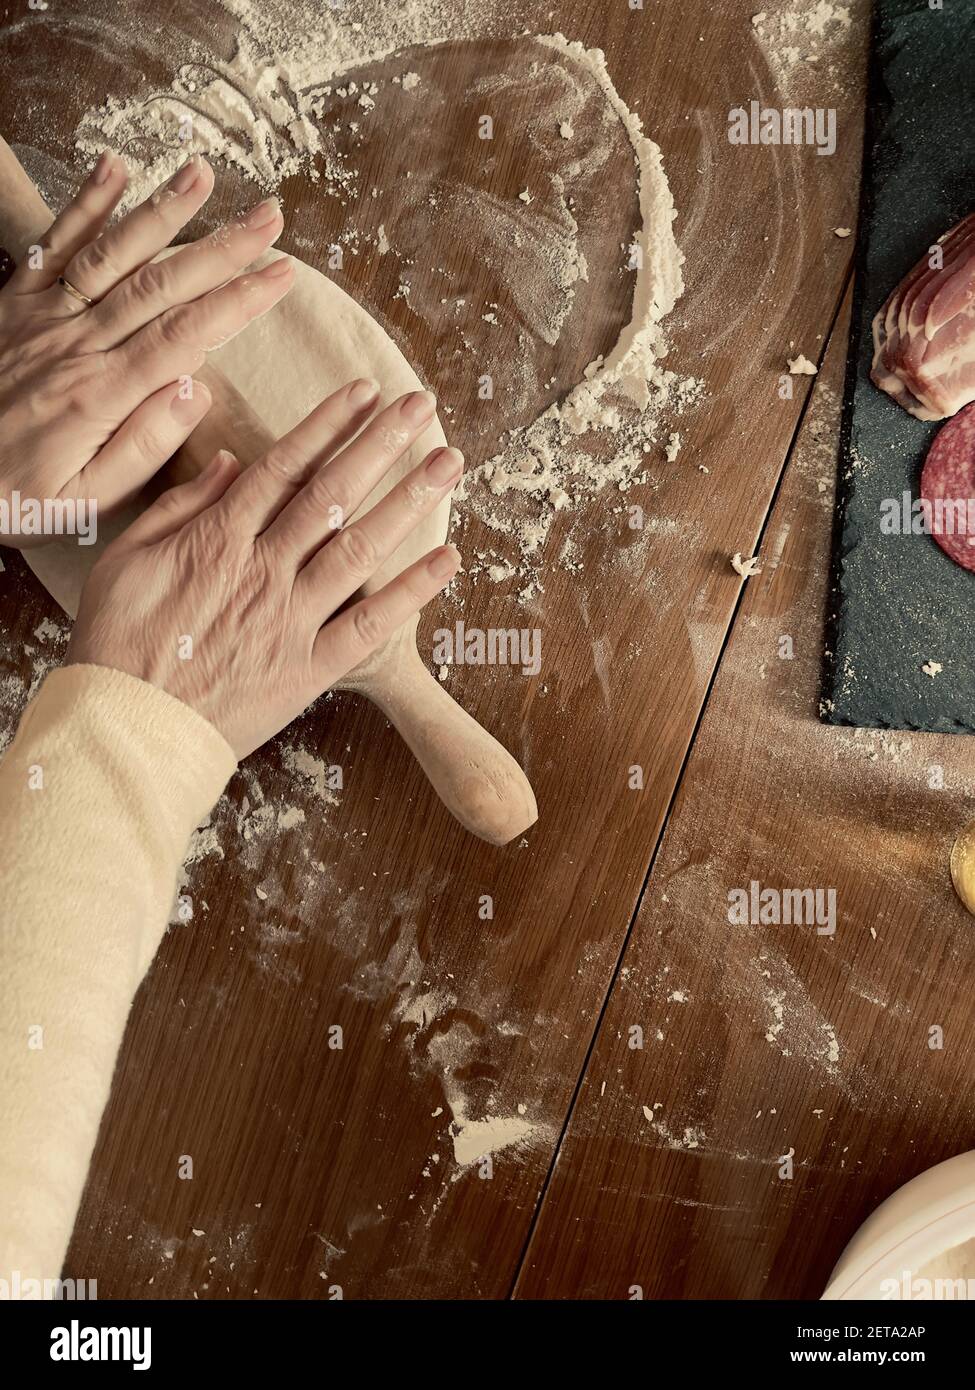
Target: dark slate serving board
898	601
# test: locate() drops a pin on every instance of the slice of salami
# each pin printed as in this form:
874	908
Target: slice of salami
948	488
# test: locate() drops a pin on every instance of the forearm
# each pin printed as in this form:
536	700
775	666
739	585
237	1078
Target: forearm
99	793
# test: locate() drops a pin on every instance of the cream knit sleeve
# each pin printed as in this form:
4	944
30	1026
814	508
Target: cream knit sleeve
99	794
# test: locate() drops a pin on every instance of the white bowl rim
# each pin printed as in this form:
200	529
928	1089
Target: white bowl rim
912	1253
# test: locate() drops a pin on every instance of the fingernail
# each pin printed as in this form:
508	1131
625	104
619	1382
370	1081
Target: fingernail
361	392
444	467
264	214
444	562
220	460
419	406
190	402
184	179
103	167
277	268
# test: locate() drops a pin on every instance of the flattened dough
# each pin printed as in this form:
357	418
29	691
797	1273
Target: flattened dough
311	343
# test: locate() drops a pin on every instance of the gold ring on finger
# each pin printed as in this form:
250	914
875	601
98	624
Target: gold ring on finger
75	292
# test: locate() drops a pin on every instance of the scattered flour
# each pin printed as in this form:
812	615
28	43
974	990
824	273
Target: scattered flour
475	1139
692	1136
800	33
446	1040
561	459
260	111
305	765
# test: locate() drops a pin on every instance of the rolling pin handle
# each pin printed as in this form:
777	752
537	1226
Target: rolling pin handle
475	777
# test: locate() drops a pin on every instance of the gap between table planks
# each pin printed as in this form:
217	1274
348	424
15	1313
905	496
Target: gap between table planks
309	1164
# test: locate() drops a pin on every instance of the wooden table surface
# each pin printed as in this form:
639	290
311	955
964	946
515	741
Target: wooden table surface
317	1168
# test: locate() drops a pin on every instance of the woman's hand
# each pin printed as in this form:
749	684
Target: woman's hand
228	591
94	397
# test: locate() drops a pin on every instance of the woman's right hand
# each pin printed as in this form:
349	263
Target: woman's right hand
232	591
95	397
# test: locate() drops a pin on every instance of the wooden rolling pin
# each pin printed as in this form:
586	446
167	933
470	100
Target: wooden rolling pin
476	778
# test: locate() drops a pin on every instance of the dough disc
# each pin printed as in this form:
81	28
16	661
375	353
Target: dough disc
315	340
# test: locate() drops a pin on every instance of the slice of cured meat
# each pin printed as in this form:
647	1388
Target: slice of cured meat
948	488
924	335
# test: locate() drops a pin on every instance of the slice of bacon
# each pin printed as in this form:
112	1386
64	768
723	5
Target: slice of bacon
924	335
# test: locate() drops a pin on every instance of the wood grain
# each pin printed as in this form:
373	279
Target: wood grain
314	1166
763	1041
